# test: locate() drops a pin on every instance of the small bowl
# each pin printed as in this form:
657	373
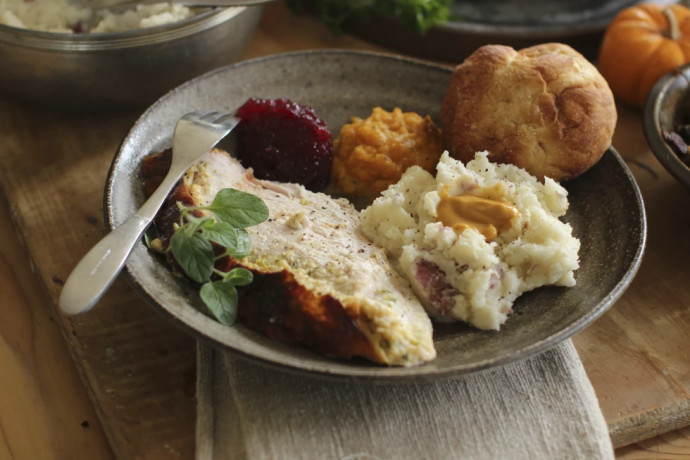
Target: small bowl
666	107
119	71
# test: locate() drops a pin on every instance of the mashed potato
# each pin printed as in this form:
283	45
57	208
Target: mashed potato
141	17
44	15
467	273
69	16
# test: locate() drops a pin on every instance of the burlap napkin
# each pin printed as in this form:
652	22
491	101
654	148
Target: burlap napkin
542	407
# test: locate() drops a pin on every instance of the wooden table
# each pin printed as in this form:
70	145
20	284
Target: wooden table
119	382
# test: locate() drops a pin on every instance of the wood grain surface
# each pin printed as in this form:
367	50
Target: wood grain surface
637	355
44	409
136	399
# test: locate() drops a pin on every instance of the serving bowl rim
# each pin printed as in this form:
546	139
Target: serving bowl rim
59	41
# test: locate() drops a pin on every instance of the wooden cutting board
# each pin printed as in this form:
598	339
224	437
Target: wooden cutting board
637	355
139	369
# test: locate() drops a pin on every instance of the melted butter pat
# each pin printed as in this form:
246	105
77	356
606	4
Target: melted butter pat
488	216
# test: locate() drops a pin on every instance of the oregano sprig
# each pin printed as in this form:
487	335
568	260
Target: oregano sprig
232	211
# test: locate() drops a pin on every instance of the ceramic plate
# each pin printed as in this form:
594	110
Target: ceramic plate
606	213
667	106
517	23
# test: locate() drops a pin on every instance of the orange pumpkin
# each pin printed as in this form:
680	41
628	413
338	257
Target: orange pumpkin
641	44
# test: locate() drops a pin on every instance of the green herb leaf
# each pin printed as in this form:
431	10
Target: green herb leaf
235	240
415	15
238	209
221	299
195	255
191	246
239	276
193	224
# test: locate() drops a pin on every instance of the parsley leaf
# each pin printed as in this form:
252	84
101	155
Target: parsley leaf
238	209
221	299
239	276
415	15
192	247
235	240
195	255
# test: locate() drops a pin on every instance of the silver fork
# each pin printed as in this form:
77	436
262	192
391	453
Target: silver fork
195	134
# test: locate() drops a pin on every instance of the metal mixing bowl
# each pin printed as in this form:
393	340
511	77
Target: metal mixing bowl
120	70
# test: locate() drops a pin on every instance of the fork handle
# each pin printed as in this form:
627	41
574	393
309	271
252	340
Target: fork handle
99	268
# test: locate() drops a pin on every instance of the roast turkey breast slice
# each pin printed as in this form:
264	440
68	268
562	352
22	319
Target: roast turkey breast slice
318	281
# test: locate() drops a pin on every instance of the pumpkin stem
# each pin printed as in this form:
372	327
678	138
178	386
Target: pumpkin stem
673	30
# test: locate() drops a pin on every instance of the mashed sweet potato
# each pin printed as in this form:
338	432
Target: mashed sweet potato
372	153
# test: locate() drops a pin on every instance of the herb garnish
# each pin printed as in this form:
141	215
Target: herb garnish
416	15
191	246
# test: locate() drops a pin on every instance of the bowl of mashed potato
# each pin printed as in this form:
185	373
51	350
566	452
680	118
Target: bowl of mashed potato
68	56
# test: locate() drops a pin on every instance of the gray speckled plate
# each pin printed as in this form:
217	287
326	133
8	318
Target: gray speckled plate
606	212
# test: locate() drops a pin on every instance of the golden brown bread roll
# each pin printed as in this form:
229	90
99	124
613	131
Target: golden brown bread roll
544	108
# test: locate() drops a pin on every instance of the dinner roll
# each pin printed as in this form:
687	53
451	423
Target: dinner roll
544	108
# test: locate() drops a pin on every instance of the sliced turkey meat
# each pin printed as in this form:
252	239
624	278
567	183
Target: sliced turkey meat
318	281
